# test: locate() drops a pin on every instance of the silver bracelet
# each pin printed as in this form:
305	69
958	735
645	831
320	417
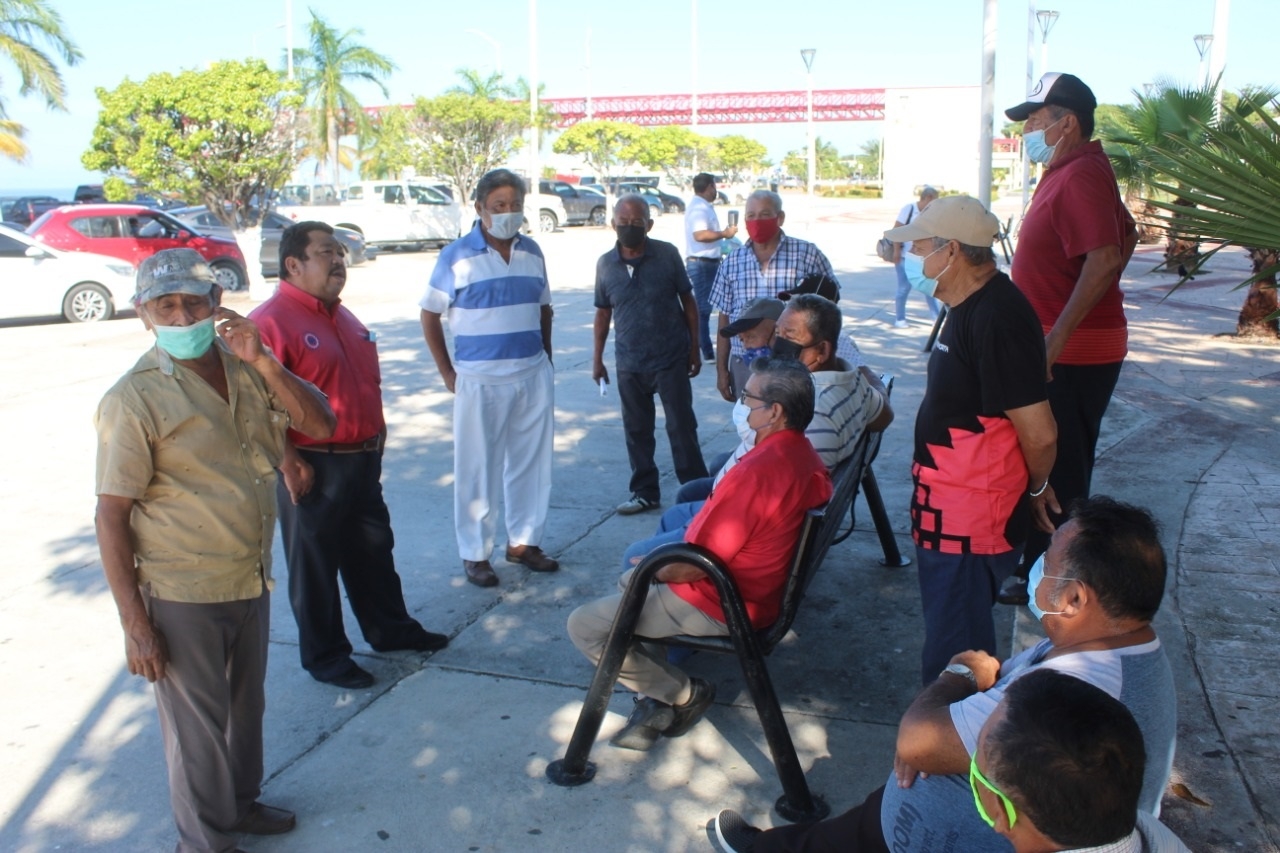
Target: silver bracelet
1040	491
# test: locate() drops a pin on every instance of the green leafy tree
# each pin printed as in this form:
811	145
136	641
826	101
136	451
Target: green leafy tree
600	143
477	85
463	136
869	157
736	157
388	144
676	151
325	68
30	31
224	137
830	166
1230	175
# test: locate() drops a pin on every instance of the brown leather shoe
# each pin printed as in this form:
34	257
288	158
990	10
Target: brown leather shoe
266	820
480	572
531	556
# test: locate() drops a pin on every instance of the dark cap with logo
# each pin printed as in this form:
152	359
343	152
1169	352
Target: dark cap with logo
763	308
173	271
1057	89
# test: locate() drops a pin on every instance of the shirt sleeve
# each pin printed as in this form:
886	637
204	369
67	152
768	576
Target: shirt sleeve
441	287
679	273
1011	363
1087	217
819	263
125	466
602	296
721	292
700	219
719	526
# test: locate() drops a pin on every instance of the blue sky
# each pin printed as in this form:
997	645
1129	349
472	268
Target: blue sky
643	48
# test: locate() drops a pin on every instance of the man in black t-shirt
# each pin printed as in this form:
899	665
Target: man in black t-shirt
985	438
642	288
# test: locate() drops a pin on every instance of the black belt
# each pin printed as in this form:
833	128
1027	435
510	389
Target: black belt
368	446
705	260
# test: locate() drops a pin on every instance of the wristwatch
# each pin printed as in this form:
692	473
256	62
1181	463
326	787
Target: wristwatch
961	670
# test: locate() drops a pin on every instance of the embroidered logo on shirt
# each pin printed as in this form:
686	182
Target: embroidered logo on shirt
311	341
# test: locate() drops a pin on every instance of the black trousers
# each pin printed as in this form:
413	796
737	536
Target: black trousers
856	831
1079	396
636	390
342	528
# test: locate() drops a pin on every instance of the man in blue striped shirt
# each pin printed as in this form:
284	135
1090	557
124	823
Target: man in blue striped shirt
492	282
771	262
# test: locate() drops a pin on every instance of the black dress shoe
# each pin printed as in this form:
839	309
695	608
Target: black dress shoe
703	693
1014	591
423	641
645	725
266	820
480	573
532	557
353	677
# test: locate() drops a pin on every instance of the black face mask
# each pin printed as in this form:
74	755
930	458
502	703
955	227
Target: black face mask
631	236
783	348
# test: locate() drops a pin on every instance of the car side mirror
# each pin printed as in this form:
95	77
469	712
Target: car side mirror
37	252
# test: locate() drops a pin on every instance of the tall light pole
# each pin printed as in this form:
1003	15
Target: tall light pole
808	54
693	69
1203	41
987	129
534	167
1218	53
589	76
495	44
1046	19
1031	76
288	39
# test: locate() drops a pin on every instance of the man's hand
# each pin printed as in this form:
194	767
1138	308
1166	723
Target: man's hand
695	361
299	476
897	253
906	774
729	232
722	384
985	667
598	372
240	334
145	650
1043	504
450	377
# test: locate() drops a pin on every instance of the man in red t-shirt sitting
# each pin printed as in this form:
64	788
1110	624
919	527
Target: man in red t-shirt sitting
751	523
1075	241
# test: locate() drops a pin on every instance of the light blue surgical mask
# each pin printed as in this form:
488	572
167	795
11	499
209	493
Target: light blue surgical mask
1039	151
1033	582
913	267
185	342
504	226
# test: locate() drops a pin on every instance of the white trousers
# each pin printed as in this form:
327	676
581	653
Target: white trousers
502	443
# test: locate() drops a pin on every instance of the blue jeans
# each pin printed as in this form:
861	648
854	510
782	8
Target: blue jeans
702	274
958	592
904	290
670	529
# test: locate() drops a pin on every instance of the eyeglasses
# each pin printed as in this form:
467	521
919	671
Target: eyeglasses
745	396
975	776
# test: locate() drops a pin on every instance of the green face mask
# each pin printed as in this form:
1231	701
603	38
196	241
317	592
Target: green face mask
185	342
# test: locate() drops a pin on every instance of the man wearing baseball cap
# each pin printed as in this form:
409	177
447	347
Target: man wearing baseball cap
188	443
984	437
1074	243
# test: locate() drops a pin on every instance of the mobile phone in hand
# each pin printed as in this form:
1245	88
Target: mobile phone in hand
733	219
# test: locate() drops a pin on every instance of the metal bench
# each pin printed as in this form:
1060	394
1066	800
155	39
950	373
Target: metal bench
817	534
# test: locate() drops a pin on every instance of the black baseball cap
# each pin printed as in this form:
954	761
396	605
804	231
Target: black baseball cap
1058	89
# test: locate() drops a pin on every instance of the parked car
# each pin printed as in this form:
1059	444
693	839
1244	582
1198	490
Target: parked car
28	209
40	281
390	213
582	206
665	202
273	225
133	233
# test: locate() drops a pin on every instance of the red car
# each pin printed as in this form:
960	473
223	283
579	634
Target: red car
133	233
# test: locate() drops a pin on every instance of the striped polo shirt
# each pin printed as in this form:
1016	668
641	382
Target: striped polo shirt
494	307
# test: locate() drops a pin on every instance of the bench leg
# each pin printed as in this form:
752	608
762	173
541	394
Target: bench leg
871	490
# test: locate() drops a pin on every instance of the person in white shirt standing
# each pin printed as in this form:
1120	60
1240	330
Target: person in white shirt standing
909	212
702	236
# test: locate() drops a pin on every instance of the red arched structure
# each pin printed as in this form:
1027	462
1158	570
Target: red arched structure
725	107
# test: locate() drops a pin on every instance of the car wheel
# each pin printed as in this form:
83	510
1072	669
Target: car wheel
655	210
87	303
672	207
548	221
228	276
597	216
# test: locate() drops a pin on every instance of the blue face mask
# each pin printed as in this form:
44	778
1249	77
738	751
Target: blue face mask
751	354
186	342
1039	151
913	267
1033	582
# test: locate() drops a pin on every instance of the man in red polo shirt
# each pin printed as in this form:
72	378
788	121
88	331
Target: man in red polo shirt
332	515
1073	245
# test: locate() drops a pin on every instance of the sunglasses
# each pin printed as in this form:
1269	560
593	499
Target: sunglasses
976	777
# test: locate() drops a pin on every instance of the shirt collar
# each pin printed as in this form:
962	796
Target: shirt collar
289	290
635	262
1130	844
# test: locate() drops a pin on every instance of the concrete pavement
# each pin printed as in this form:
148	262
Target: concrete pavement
447	752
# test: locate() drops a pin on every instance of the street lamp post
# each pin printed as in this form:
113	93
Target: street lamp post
495	44
1203	41
807	54
1047	19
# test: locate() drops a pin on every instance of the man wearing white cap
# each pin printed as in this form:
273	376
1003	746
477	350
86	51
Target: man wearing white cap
984	438
188	443
1073	245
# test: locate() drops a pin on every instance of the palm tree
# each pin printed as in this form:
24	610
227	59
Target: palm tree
491	87
23	24
324	69
1230	181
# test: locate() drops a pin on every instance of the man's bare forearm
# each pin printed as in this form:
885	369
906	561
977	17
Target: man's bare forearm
308	408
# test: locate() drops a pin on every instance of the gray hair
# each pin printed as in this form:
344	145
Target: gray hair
497	179
822	317
633	198
767	195
928	192
789	384
975	256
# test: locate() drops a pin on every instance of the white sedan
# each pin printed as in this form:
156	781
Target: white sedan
39	281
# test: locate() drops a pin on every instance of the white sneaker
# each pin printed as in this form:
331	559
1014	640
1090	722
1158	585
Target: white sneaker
900	324
636	504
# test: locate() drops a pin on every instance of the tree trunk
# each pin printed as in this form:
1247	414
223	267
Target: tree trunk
331	125
250	242
1260	302
1180	250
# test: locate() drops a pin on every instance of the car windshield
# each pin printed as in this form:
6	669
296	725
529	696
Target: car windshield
426	195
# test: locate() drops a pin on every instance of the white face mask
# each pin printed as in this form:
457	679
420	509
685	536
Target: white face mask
504	226
740	414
